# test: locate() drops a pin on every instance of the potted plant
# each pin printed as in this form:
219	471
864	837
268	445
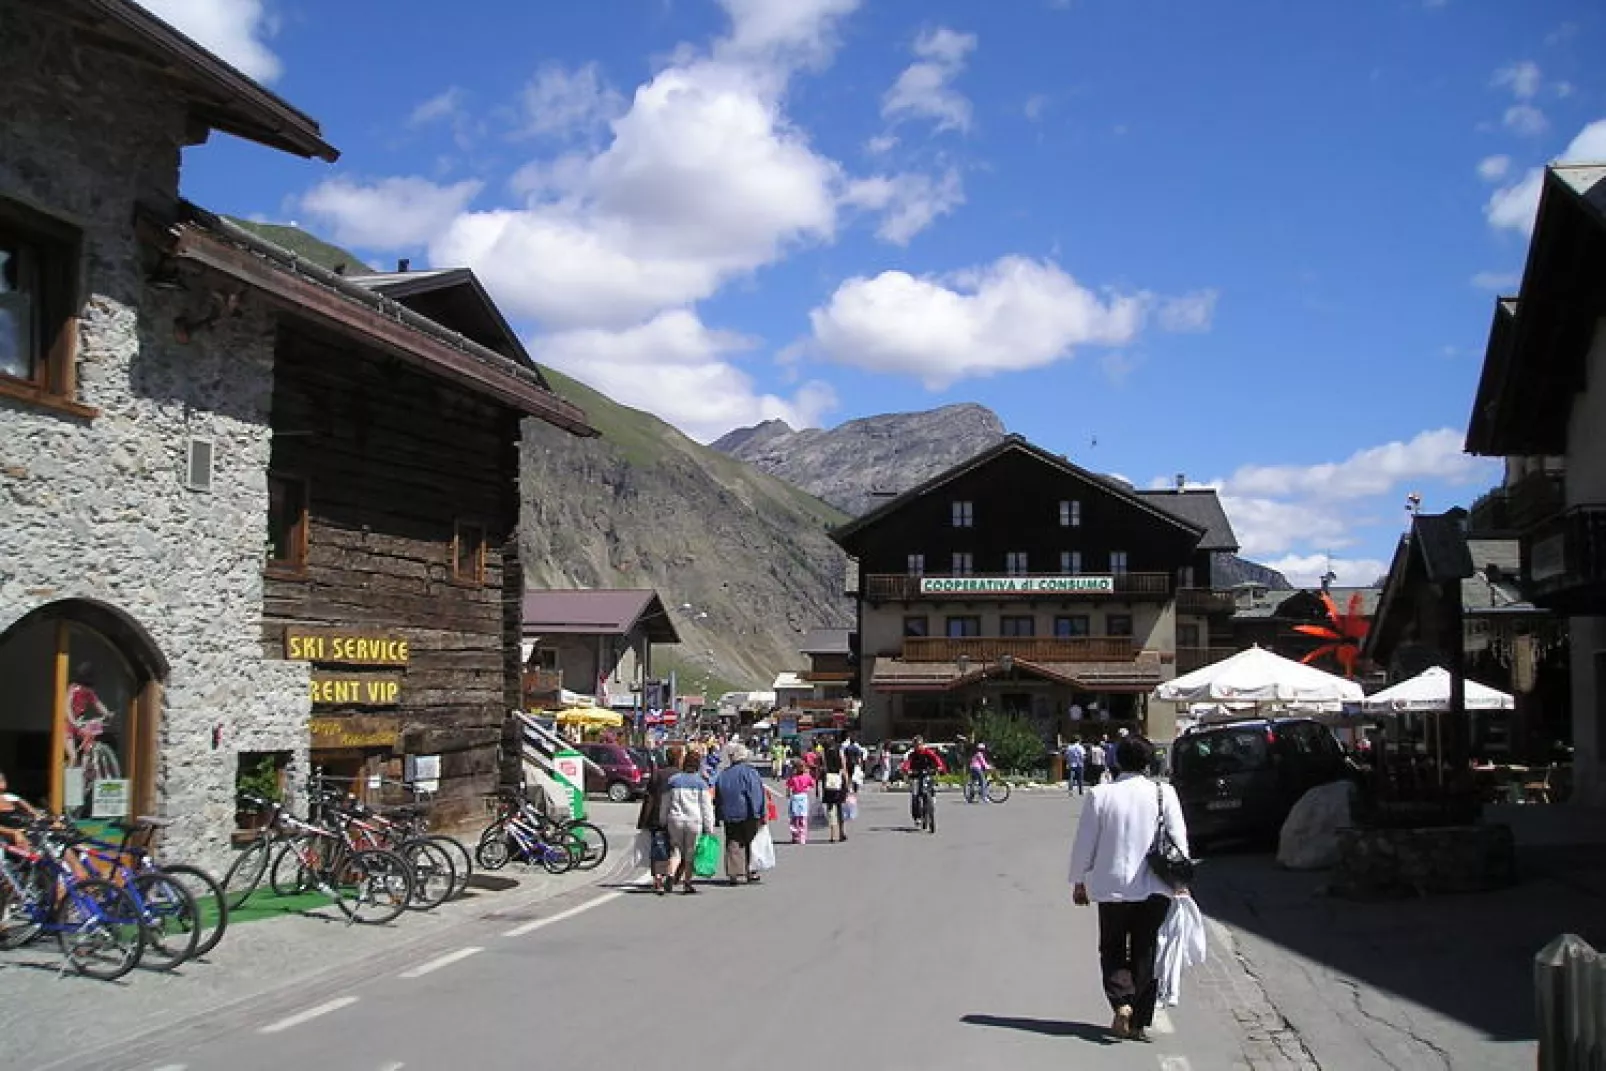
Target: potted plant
261	780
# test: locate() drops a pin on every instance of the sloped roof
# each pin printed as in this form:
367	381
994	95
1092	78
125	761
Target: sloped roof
827	641
598	612
1200	507
1010	443
453	298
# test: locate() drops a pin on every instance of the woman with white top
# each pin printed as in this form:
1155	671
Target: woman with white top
1109	867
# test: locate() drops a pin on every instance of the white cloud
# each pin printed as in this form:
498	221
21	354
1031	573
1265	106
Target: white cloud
909	202
1306	570
446	104
1526	120
1434	455
924	90
681	370
782	35
1010	315
880	144
1513	207
558	102
1498	281
234	29
1188	313
1523	79
1270	526
390	214
1494	168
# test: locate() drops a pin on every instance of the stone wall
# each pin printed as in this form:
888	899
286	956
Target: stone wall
97	509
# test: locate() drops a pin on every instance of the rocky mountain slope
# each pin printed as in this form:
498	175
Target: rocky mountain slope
853	466
644	506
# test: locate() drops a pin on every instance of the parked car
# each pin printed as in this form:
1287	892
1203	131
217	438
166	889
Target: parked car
1240	779
618	773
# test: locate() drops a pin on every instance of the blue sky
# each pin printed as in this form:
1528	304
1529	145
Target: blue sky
1256	243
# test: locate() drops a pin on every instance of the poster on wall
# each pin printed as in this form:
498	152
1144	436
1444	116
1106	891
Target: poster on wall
110	799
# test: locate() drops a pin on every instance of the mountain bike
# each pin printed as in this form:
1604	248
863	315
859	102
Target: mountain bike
997	789
585	841
171	918
133	848
359	829
97	924
519	837
923	801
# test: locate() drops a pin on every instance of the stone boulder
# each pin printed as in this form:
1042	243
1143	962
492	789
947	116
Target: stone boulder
1309	838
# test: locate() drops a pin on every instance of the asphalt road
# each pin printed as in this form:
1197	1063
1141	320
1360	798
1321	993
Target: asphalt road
893	950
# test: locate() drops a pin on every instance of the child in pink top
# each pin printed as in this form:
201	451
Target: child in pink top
799	788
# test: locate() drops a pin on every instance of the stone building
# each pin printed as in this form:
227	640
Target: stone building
153	390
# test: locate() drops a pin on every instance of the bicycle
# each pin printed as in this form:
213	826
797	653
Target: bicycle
997	789
213	917
585	841
167	910
518	837
97	924
923	791
434	874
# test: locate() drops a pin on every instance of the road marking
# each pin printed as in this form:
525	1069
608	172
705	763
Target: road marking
1175	1063
170	1067
1162	1023
531	927
438	962
307	1016
393	1067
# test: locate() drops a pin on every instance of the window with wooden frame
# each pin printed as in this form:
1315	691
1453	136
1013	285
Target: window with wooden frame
468	553
960	626
1015	563
1118	624
1017	625
964	514
39	259
917	565
287	523
916	625
1068	625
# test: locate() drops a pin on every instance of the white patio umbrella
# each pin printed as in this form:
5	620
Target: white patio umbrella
1429	692
1258	676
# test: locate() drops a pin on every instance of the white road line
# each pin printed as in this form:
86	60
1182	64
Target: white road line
170	1067
307	1016
1175	1063
531	927
1162	1023
438	962
392	1067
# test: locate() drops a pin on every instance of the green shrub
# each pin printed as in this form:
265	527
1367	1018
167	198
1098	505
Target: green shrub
1012	742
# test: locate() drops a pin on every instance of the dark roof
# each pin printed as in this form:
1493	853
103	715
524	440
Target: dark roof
1434	551
1441	540
219	96
1200	507
827	641
1010	443
453	298
598	612
1538	344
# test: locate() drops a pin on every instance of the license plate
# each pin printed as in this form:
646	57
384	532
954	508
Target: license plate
1224	805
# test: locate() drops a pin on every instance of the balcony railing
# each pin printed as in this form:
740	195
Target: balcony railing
899	587
827	676
1564	558
1534	499
1205	601
1192	658
984	649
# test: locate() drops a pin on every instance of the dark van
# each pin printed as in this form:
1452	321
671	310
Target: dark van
1240	779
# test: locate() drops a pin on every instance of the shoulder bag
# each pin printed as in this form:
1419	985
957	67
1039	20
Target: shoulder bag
1165	858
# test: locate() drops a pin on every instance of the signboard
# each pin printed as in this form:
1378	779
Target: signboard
354	732
110	799
345	647
331	688
1017	585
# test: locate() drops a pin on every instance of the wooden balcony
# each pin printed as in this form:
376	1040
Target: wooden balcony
899	587
1564	561
984	649
1205	601
1192	658
827	676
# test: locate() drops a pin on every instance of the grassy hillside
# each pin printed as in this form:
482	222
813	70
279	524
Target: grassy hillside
305	245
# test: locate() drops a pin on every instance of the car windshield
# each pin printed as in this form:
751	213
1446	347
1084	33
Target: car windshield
642	757
1215	754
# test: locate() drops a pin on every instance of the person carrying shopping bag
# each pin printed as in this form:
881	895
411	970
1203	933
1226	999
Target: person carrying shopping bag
739	804
687	813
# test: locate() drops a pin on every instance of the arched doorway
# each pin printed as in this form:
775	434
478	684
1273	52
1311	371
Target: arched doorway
81	683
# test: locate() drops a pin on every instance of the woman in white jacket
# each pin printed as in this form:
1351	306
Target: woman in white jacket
687	812
1109	867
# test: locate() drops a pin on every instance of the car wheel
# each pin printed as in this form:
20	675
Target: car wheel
619	792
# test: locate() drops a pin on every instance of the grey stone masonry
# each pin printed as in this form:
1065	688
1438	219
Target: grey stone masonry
98	508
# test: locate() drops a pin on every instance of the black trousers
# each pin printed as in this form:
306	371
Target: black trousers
1129	935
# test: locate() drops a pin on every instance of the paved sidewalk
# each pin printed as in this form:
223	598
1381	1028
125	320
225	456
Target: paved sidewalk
50	1016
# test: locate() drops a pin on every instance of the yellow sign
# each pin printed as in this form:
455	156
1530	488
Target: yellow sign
342	647
356	689
354	732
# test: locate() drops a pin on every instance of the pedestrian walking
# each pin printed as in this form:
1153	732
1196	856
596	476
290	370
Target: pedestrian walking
1112	759
739	805
799	793
649	821
686	812
1110	867
1075	766
1095	761
834	791
778	759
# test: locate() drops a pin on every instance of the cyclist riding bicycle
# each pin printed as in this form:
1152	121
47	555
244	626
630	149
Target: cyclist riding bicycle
922	764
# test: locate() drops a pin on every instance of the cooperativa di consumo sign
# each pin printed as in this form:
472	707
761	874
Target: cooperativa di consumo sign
1017	585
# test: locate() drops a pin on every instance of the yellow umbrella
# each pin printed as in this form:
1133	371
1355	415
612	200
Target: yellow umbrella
591	718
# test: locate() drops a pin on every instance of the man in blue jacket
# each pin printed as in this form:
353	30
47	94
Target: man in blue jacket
739	805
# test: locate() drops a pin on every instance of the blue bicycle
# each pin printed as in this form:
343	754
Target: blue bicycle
98	925
516	836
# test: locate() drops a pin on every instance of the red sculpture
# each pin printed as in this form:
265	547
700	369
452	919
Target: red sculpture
1344	636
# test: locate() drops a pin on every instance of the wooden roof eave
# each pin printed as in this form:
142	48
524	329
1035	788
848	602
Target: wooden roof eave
352	319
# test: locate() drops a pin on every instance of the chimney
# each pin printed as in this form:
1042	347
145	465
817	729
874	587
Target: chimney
404	265
1182	480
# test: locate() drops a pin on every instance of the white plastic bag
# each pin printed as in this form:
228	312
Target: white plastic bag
1182	944
762	852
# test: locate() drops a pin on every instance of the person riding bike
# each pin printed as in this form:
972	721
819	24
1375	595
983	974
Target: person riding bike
922	764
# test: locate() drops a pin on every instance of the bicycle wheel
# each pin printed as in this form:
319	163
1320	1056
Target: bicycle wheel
99	929
493	852
592	842
931	814
462	861
22	916
556	858
246	873
210	901
373	887
172	921
434	875
290	875
998	790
